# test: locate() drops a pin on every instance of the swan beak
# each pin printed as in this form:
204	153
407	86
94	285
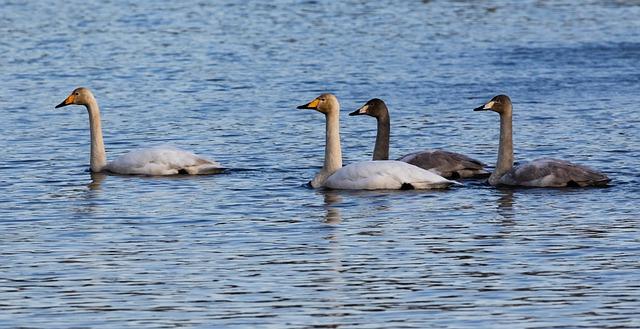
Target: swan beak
313	105
485	107
360	111
68	101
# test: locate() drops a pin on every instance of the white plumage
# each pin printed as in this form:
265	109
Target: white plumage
162	160
159	160
365	175
393	175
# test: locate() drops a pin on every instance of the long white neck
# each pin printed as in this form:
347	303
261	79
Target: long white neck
332	151
98	155
505	150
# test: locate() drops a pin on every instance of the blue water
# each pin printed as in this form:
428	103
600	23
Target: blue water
255	247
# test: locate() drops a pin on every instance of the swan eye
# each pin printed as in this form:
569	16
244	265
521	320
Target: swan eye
77	93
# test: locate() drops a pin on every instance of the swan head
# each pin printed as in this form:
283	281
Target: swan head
325	103
500	104
374	107
79	96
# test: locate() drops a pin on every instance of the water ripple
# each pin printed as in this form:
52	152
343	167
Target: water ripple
257	248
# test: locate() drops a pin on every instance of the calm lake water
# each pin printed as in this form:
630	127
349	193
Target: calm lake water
255	247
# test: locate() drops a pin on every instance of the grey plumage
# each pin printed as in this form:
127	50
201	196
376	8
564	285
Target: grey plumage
445	163
553	173
543	172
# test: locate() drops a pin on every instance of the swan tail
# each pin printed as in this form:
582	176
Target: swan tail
207	169
597	182
431	185
477	174
464	173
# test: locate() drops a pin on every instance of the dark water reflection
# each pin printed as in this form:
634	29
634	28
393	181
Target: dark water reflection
255	247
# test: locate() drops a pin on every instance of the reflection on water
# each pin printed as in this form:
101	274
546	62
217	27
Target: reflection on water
505	203
252	248
96	180
331	199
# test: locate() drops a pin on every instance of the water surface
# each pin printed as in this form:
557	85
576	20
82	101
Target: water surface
255	247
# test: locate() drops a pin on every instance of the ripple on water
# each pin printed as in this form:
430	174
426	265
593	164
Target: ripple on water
255	247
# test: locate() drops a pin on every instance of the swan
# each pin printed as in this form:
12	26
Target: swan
545	172
445	163
159	160
365	175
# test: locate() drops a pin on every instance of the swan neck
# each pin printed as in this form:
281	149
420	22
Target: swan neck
381	150
505	150
332	151
98	158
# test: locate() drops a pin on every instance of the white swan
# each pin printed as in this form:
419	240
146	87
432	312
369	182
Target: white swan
545	172
445	163
366	175
160	160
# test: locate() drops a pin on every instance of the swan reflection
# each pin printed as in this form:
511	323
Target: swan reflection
96	181
505	203
332	216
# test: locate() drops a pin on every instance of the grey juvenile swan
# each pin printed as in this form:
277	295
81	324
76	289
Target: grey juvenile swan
545	172
444	163
159	160
364	175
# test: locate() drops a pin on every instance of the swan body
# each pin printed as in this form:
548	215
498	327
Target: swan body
444	163
545	172
159	160
365	175
548	172
386	174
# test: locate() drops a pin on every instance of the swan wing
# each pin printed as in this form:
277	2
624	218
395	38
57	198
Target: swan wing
162	160
373	175
445	163
549	172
